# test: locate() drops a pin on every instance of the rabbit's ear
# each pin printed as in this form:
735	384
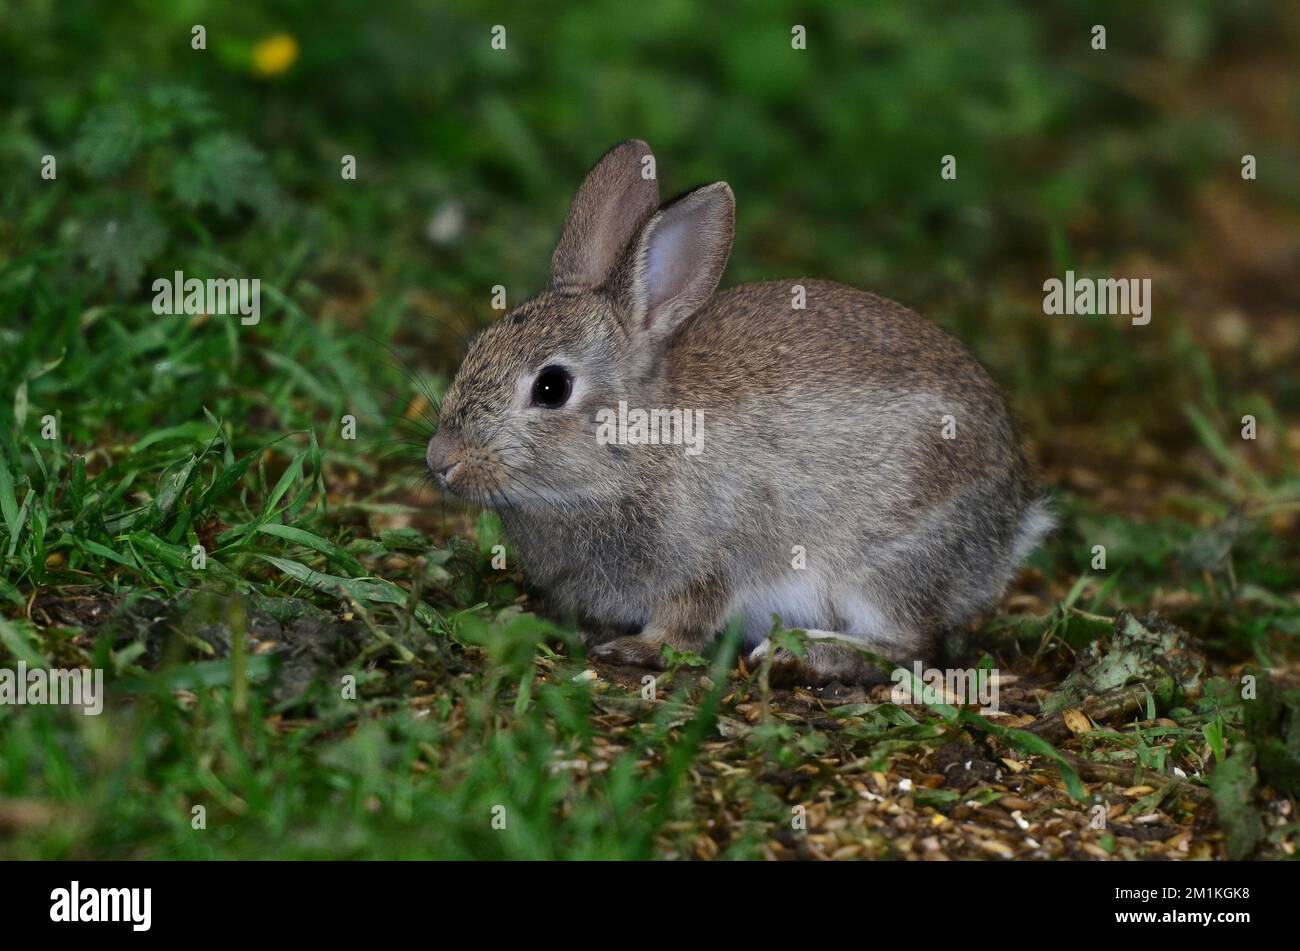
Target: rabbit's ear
680	257
615	200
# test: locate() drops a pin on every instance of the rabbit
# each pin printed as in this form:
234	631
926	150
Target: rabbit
857	474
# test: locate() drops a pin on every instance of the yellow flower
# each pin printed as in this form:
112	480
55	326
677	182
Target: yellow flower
274	55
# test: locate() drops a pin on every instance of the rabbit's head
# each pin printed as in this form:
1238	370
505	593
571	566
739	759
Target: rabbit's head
517	426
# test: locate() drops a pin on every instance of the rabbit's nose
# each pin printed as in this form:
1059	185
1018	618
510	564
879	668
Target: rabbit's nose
443	458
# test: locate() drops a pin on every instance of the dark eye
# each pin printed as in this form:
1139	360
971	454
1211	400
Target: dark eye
552	387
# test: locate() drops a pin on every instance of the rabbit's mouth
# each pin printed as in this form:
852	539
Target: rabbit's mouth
455	468
466	477
492	486
471	482
489	487
491	478
447	474
469	474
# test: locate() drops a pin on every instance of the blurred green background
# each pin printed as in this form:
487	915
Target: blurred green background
226	162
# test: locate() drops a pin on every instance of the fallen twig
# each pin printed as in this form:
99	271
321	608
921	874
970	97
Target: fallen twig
1095	772
1112	703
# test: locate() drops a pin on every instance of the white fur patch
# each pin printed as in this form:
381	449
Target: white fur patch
803	602
864	619
1036	522
797	601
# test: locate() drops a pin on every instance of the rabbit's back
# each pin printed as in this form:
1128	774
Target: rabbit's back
861	374
749	343
859	433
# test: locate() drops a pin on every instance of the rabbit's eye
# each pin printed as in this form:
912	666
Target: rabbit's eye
552	387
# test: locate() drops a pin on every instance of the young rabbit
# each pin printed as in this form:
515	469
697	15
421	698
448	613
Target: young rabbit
855	471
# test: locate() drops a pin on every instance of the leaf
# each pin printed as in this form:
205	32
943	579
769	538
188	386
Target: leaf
1152	800
196	676
118	245
1033	744
1219	449
1075	721
222	171
226	479
174	556
77	484
8	501
20	406
794	641
21	521
1233	785
938	798
488	531
1213	732
374	590
1272	723
852	710
94	548
680	658
108	139
174	104
317	472
11	594
290	475
17	643
193	432
315	542
403	539
170	490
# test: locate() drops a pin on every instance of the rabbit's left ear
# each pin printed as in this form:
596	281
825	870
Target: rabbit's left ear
618	195
679	258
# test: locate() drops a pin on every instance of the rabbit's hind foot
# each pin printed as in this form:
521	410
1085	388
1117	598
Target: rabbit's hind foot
828	658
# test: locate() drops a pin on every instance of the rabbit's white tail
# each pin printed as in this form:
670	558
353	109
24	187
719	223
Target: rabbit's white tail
1035	522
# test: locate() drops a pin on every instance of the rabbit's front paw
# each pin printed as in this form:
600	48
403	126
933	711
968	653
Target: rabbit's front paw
632	651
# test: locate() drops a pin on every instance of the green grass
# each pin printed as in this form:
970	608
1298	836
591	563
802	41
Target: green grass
126	439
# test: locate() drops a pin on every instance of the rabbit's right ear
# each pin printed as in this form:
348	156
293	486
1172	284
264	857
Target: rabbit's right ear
678	260
619	194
